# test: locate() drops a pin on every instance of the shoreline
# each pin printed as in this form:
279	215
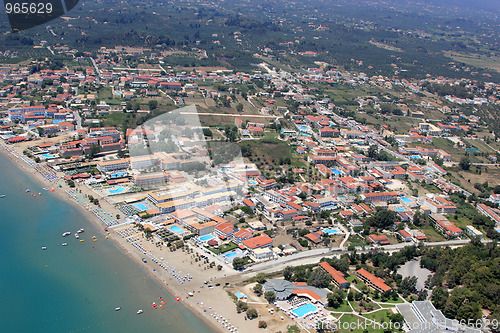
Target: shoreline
199	308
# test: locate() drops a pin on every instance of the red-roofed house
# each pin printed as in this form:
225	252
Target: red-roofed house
258	242
242	234
379	239
372	281
337	277
224	230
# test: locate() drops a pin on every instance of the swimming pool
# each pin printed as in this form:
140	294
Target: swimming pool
302	127
331	231
176	229
335	171
304	310
206	238
252	182
230	254
406	200
117	190
118	175
49	156
399	209
140	206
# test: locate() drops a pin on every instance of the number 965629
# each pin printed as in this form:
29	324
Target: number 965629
28	8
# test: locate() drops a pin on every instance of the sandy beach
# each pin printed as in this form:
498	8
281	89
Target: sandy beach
182	273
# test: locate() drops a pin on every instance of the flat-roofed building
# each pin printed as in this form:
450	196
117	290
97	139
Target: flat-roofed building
112	165
149	179
471	230
143	162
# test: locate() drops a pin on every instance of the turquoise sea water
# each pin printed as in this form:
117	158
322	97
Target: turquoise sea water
72	288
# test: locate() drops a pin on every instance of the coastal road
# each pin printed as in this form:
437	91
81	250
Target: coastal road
315	255
229	114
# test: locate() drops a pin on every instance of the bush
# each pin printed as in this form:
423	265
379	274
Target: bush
262	324
252	313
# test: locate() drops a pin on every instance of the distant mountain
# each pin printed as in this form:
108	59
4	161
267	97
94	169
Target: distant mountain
488	5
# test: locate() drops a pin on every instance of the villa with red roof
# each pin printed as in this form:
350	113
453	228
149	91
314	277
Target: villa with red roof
337	277
372	281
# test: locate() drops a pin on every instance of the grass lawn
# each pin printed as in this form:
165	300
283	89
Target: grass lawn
223	248
105	93
461	222
391	300
432	235
356	241
344	307
431	188
268	153
480	145
379	316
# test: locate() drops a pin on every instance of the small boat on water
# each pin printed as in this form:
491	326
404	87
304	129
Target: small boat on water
2	195
139	311
64	244
67	233
27	190
80	231
118	309
44	248
76	236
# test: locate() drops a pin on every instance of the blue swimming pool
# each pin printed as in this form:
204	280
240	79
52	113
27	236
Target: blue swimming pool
117	190
252	182
206	238
335	171
230	254
399	210
304	310
176	229
118	175
331	231
302	127
406	200
140	206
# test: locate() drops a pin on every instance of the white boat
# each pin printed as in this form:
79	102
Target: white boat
64	244
76	236
118	309
140	311
2	195
44	248
80	231
67	233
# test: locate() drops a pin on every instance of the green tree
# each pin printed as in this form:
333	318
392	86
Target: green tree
335	298
270	296
258	289
319	278
383	219
239	107
288	273
252	313
238	263
465	163
94	150
153	104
